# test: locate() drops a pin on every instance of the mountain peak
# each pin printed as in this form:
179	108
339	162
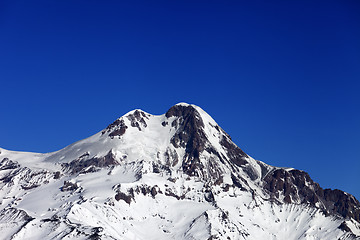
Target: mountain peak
186	110
154	170
184	104
136	111
181	109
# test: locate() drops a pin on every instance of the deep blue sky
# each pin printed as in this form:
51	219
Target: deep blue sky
282	78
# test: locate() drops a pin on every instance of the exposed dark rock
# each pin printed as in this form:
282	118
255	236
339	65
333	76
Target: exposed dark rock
217	128
95	233
118	132
54	218
6	164
342	203
214	170
146	190
168	192
234	153
224	215
190	135
28	187
264	169
293	184
236	182
343	226
117	128
175	123
137	119
69	186
172	179
226	187
29	178
153	191
9	177
57	175
297	187
122	196
14	215
84	164
209	196
219	181
138	175
179	111
116	187
156	168
212	150
287	199
171	157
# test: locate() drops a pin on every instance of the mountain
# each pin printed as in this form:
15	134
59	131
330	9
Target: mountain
173	176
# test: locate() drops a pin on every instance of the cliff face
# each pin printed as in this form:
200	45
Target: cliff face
296	186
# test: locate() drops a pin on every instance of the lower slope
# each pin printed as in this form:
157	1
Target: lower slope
158	206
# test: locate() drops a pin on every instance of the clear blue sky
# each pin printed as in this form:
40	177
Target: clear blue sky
282	78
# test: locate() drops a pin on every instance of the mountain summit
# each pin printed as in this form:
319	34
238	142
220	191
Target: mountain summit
172	176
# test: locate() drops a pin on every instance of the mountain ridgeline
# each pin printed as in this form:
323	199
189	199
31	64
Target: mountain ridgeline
173	176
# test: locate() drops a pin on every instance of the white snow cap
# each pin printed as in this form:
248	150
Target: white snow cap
184	104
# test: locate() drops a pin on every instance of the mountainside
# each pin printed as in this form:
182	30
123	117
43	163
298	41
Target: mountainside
173	176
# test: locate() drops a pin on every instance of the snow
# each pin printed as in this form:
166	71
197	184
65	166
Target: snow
178	210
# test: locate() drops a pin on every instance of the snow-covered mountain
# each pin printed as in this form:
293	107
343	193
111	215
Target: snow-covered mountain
173	176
